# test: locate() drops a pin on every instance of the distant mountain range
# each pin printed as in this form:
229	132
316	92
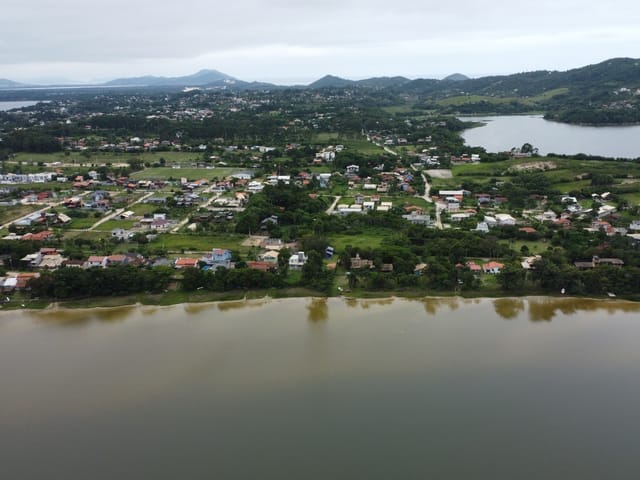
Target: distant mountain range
614	73
4	83
199	79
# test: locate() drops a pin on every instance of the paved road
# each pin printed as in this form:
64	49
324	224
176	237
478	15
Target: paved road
427	189
388	150
118	212
184	221
333	205
439	208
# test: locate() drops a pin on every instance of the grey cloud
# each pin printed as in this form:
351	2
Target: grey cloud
140	31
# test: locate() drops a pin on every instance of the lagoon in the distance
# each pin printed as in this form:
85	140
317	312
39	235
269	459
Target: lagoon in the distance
4	106
510	388
501	133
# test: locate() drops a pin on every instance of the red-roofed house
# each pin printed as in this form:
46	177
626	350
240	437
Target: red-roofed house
99	261
262	266
38	237
185	262
492	267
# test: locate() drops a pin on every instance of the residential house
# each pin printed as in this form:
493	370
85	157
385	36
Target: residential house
492	267
417	218
52	261
420	268
482	227
218	257
297	261
596	261
39	236
504	219
23	279
96	261
262	266
634	225
528	263
121	234
358	263
185	262
270	257
453	204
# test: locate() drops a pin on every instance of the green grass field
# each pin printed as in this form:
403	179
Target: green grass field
370	239
532	101
200	243
351	143
8	214
164	173
79	223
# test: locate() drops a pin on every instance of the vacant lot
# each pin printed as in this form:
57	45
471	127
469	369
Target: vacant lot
169	173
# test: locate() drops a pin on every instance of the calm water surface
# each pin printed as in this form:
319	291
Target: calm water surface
323	389
501	133
4	106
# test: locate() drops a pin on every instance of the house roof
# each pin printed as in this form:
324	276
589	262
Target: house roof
492	265
186	262
262	266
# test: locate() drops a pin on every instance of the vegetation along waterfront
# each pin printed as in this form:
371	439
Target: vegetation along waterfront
367	188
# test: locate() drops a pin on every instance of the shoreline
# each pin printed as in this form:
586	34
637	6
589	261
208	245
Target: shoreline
109	304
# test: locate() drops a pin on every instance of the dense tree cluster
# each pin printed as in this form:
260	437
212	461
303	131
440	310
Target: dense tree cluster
67	282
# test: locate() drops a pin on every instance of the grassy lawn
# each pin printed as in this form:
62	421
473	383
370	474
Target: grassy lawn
566	187
111	224
464	99
351	143
83	222
200	243
363	240
98	158
164	173
407	108
8	214
632	198
535	246
143	208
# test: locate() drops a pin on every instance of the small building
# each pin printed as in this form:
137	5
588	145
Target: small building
358	263
185	262
96	261
297	261
270	257
504	219
492	267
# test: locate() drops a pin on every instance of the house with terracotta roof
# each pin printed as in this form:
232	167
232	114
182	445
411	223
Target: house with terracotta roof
38	237
492	267
473	266
23	280
185	262
262	266
96	261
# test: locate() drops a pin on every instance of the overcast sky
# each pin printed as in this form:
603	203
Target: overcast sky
298	41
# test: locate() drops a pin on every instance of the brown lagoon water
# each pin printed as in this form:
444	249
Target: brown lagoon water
323	389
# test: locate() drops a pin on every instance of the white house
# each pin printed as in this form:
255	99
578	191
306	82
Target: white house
297	260
504	219
482	227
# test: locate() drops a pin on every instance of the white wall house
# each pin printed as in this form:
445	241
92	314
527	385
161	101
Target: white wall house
297	260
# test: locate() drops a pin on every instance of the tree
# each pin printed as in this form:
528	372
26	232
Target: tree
283	260
511	278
